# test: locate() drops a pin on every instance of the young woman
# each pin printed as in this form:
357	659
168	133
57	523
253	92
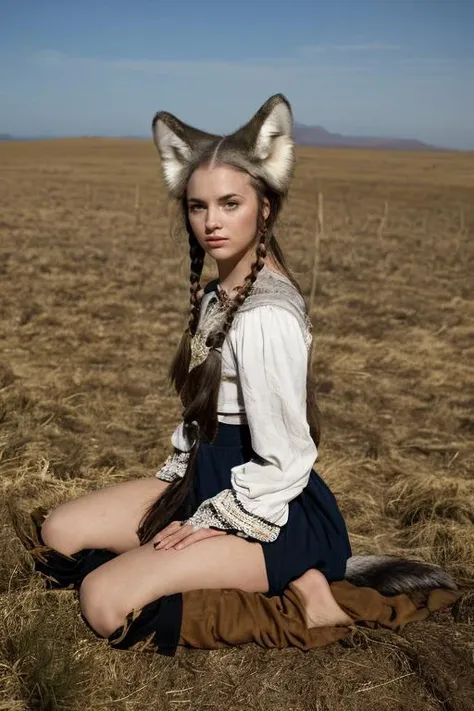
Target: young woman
238	504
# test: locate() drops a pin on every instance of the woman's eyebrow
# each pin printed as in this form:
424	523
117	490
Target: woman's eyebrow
221	199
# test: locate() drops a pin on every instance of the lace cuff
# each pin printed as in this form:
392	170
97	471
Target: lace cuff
224	511
174	467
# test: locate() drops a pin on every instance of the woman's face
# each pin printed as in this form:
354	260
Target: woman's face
222	210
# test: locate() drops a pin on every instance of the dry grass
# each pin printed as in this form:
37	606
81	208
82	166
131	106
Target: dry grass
92	301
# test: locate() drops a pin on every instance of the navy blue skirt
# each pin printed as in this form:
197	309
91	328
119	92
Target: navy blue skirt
315	535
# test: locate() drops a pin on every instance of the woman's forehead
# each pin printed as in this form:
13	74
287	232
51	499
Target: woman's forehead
217	179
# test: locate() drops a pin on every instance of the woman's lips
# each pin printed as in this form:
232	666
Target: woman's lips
216	241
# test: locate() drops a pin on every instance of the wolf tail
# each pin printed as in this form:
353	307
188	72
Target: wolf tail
391	575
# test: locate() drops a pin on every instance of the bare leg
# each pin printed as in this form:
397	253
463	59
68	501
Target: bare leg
107	595
107	518
320	606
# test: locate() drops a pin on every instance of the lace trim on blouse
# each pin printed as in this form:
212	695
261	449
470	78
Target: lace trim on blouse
225	512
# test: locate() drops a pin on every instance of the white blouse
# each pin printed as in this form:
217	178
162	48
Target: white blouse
264	370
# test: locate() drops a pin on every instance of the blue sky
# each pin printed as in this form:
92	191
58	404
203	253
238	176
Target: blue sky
370	67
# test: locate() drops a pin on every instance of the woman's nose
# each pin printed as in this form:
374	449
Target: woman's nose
212	219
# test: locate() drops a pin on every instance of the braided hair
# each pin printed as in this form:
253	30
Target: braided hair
180	363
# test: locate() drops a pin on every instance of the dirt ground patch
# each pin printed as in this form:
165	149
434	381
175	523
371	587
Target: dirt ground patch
92	302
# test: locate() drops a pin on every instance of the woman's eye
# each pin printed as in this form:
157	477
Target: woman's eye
230	204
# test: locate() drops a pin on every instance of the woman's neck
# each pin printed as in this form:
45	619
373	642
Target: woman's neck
233	275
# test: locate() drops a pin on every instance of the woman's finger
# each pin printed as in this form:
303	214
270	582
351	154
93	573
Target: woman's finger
196	536
173	538
168	531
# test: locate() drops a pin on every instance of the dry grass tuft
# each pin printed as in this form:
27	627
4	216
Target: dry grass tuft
39	666
430	498
444	543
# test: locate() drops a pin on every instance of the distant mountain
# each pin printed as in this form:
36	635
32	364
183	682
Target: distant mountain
319	136
303	136
10	137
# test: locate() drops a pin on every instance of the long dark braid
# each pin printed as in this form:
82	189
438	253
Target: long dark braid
196	257
180	363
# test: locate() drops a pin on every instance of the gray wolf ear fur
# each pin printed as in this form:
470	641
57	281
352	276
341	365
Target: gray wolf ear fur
177	144
263	146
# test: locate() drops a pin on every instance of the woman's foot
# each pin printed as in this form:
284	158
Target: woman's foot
320	606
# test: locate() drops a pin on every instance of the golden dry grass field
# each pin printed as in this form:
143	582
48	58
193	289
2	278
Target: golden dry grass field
91	307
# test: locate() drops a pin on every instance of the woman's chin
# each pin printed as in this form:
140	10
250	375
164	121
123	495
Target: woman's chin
221	253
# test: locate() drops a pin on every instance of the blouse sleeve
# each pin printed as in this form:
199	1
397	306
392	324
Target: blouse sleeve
272	357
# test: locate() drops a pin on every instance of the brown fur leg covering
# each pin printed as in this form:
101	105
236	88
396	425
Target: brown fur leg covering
218	618
368	606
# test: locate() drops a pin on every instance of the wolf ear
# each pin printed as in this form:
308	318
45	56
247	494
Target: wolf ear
176	143
268	136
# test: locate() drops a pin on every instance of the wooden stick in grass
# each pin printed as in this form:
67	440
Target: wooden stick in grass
462	222
315	273
317	242
88	197
383	221
137	205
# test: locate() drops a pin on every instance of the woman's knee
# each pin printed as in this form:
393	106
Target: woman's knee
59	532
99	610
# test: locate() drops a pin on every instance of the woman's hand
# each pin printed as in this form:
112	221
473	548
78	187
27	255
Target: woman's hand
179	535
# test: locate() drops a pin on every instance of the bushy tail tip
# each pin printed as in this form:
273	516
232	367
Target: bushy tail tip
391	575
